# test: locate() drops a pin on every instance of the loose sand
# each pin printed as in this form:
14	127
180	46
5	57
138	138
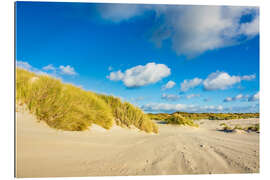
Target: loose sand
45	152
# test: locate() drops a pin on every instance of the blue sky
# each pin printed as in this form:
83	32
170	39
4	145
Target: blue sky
162	58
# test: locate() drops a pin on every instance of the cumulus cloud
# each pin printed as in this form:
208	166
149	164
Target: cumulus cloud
215	81
228	99
188	84
169	108
254	97
67	70
242	109
169	85
248	77
173	97
141	75
25	65
222	80
189	96
47	70
250	28
49	67
192	29
120	12
170	97
163	107
239	96
116	76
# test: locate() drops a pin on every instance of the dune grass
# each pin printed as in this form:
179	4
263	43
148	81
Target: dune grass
225	127
177	119
128	115
67	107
255	127
159	116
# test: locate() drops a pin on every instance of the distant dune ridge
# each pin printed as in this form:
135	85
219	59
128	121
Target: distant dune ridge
67	107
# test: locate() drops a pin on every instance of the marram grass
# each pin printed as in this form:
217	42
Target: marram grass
177	119
128	115
67	107
254	127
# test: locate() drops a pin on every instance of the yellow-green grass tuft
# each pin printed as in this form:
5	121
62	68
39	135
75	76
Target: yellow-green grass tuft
67	107
180	120
255	127
61	106
127	115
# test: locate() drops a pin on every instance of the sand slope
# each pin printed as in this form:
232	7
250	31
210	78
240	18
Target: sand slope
45	152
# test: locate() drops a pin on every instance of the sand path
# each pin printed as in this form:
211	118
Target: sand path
45	152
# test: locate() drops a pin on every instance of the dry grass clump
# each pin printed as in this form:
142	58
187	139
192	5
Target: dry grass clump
127	115
67	107
61	106
180	120
226	128
255	127
159	116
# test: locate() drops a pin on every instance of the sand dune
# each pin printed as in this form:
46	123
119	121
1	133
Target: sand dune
45	152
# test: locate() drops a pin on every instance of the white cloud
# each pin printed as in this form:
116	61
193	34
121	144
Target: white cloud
228	99
169	108
49	67
250	28
189	96
24	65
116	76
242	97
248	77
243	109
67	70
120	12
173	97
222	80
141	75
188	84
170	97
254	97
163	107
192	29
169	85
196	29
238	97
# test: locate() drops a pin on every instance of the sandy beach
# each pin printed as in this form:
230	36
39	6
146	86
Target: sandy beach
46	152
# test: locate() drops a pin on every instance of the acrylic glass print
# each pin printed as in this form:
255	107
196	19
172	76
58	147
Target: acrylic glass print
136	89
